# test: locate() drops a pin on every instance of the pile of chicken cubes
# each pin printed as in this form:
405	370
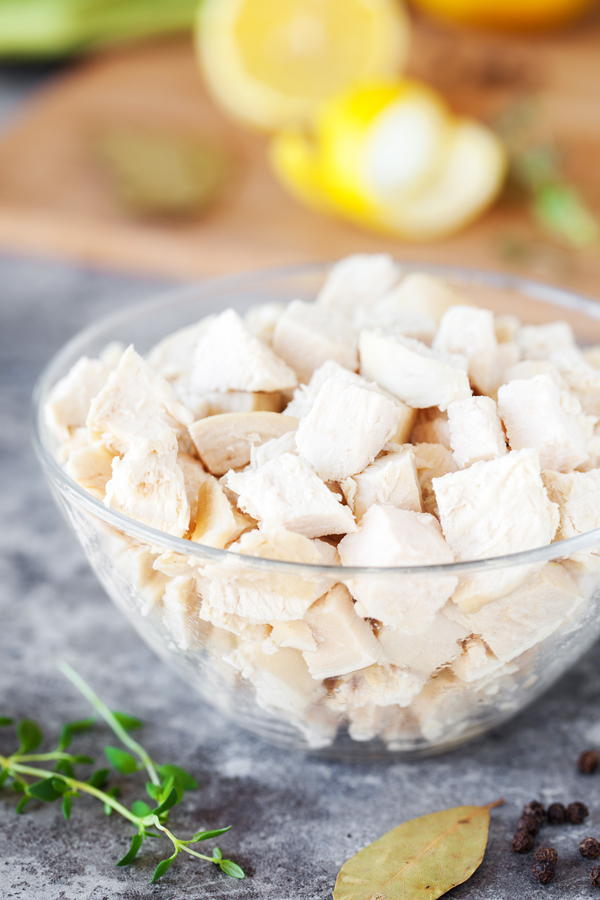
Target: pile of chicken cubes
390	423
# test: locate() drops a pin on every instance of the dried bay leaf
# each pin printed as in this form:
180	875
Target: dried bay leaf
419	860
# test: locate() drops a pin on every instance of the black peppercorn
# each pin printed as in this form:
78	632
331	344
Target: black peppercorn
547	854
590	848
543	871
522	842
577	813
588	762
528	823
556	814
535	809
595	876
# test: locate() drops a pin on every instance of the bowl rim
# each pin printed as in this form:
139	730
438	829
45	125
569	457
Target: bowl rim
58	478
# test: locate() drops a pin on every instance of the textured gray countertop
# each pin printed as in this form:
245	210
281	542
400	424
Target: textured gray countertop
295	820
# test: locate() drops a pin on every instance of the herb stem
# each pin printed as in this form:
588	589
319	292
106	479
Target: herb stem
181	845
41	757
10	764
103	710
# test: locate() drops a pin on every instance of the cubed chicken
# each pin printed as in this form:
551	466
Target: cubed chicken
70	399
437	646
540	341
475	431
391	480
432	461
225	442
307	335
358	280
469	332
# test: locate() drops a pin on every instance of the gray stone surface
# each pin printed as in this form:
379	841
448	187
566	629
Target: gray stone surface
295	819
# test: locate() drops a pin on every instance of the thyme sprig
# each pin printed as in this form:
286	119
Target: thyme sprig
166	787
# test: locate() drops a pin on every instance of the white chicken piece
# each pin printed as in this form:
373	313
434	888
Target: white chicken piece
378	686
529	368
431	427
387	318
281	680
228	358
346	428
261	320
580	377
194	475
358	280
345	642
225	442
70	399
135	404
420	294
475	431
91	468
578	497
398	537
174	355
468	331
307	335
262	453
296	634
287	492
279	543
218	523
541	341
476	661
391	480
242	401
524	617
147	485
180	604
437	646
508	356
444	708
592	355
432	461
537	415
506	326
494	508
411	371
134	563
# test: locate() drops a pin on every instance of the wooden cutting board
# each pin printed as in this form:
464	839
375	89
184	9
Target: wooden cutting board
55	200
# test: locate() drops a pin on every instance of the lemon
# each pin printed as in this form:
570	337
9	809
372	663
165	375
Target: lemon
393	158
511	15
272	63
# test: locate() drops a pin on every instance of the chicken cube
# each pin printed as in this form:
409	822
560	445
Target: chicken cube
358	280
494	508
307	335
262	453
537	415
431	427
287	492
173	357
180	604
432	461
476	661
524	617
70	399
296	634
242	401
218	523
469	332
391	480
411	371
506	327
147	485
91	468
228	358
398	537
136	403
420	294
225	442
578	497
540	341
475	431
194	475
580	377
437	646
345	429
281	680
345	642
261	320
529	368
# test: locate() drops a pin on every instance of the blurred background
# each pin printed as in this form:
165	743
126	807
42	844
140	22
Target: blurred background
164	138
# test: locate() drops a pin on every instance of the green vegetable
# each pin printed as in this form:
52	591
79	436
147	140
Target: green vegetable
52	28
166	786
421	859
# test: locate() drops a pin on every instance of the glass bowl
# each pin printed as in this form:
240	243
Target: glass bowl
544	618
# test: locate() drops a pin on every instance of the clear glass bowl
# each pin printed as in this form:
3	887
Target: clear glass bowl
157	580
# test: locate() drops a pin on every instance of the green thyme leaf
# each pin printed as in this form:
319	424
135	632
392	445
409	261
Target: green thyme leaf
140	809
22	804
4	773
170	801
44	790
112	792
217	853
121	760
153	790
136	842
64	766
67	803
163	867
72	728
98	779
187	781
5	720
81	759
231	868
207	835
30	735
130	723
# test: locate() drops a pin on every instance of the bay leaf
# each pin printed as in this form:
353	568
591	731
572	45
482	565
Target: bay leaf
419	860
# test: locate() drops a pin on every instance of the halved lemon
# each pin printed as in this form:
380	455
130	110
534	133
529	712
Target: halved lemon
272	63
